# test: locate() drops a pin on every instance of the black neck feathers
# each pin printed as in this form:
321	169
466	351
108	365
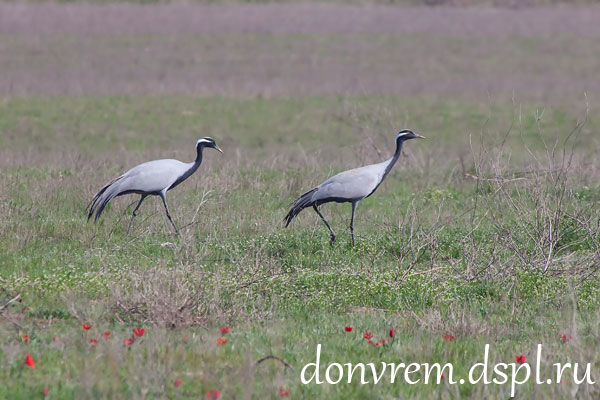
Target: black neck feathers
399	141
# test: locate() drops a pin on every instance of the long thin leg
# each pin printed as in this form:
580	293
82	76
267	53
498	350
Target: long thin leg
326	223
164	199
354	204
135	212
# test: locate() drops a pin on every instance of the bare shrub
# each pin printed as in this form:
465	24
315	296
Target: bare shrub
460	322
539	221
422	245
171	297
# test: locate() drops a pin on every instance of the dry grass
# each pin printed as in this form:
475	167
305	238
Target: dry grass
298	50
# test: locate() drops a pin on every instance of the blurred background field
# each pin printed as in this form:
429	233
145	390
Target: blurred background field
488	230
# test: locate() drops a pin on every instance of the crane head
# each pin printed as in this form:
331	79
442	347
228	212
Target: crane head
207	142
406	134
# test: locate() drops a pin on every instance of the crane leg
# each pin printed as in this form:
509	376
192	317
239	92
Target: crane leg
326	223
135	213
164	199
354	204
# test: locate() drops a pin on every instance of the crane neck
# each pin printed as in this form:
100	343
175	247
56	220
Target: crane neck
198	160
194	166
394	158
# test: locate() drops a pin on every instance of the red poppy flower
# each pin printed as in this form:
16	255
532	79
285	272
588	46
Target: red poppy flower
25	338
184	339
128	341
225	330
281	392
29	361
565	337
139	332
442	376
55	339
387	340
106	335
520	359
449	338
221	341
213	395
86	327
368	335
46	392
348	328
378	343
177	382
392	332
93	342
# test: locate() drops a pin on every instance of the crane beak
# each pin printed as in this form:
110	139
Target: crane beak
420	137
218	149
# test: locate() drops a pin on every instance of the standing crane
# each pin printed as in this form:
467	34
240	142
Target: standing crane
150	178
349	186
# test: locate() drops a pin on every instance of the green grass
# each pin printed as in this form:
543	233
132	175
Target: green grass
435	251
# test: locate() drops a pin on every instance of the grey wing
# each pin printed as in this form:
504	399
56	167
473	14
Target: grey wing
355	184
151	177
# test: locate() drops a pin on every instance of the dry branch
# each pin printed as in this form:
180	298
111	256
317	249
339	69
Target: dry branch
9	302
272	357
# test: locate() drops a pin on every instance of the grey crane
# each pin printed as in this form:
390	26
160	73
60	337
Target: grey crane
349	186
150	178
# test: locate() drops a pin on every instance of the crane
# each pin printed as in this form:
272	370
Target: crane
349	186
150	178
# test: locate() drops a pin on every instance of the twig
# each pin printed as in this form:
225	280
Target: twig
281	360
426	272
5	305
498	179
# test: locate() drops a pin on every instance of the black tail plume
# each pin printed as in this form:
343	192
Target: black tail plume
100	200
300	204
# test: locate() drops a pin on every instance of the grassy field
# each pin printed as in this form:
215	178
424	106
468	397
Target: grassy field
488	231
